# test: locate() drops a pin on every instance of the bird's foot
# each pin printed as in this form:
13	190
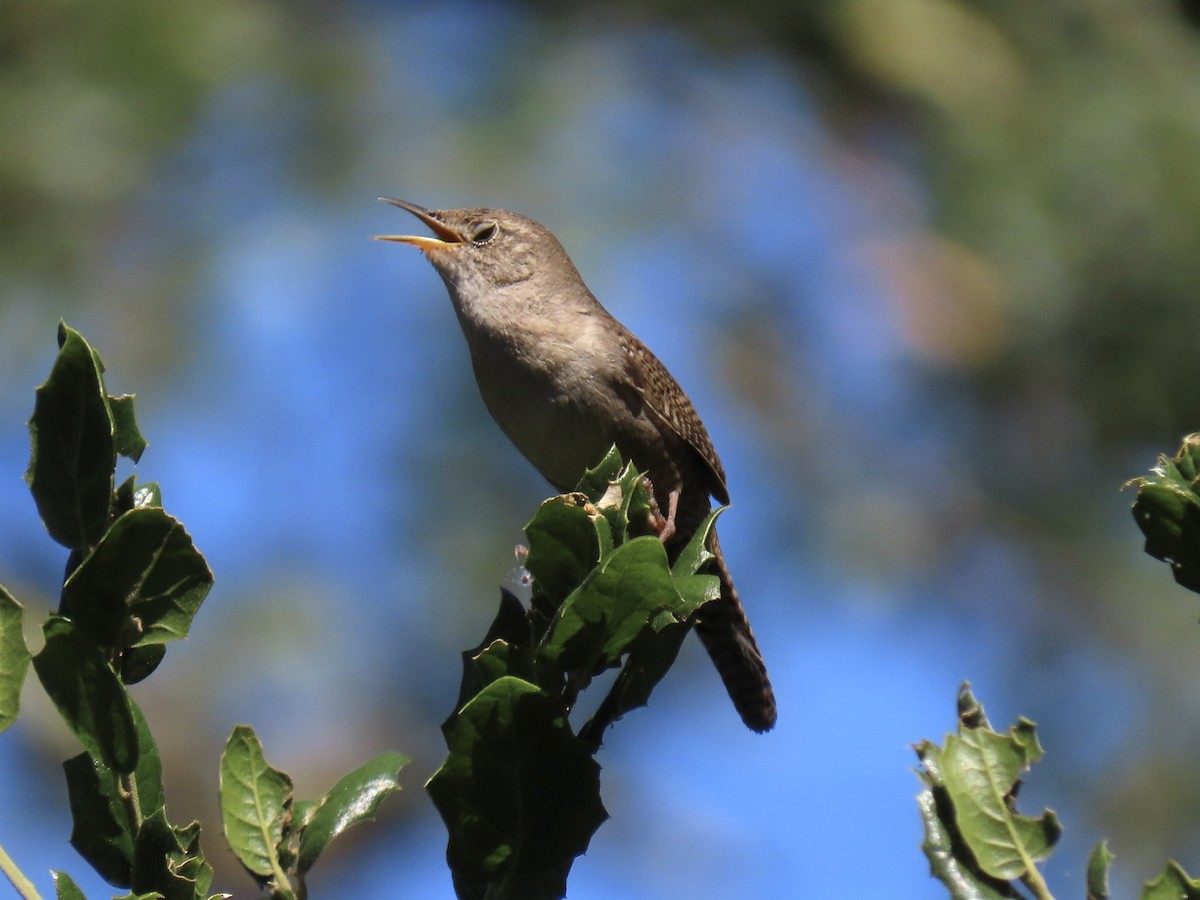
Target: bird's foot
664	526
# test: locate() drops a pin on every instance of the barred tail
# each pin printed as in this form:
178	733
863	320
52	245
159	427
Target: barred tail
725	632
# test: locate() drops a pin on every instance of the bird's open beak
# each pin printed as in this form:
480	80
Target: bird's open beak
444	234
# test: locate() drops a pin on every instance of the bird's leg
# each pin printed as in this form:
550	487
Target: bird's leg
664	526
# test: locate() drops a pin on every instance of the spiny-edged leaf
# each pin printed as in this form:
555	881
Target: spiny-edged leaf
64	887
563	545
88	695
1099	861
354	799
1167	510
949	860
520	794
499	659
102	833
625	506
628	596
73	448
126	436
147	568
14	657
696	553
168	860
510	628
642	671
595	481
1173	884
979	770
656	650
256	802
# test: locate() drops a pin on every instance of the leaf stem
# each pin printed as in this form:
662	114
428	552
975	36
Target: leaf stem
1033	880
129	797
24	886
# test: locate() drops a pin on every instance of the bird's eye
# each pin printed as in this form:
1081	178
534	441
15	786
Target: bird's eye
484	232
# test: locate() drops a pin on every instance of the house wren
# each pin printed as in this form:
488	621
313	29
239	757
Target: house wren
565	381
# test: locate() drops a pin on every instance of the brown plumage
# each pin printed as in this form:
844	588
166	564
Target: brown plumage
565	381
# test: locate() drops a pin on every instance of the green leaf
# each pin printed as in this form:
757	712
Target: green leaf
1167	510
511	630
980	769
256	802
595	481
65	888
696	553
520	794
138	663
127	438
563	545
975	777
103	833
131	495
73	446
642	672
499	659
1099	861
14	657
354	799
168	860
949	860
627	598
88	695
142	584
1173	884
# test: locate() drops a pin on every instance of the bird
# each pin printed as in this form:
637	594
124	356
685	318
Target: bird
565	381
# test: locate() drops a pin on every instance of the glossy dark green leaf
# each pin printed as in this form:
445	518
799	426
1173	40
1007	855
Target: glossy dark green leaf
138	663
88	695
102	832
147	494
168	860
511	629
14	657
355	798
1099	862
127	438
519	793
65	888
132	495
641	673
696	553
145	568
256	802
1167	510
563	546
628	596
73	447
